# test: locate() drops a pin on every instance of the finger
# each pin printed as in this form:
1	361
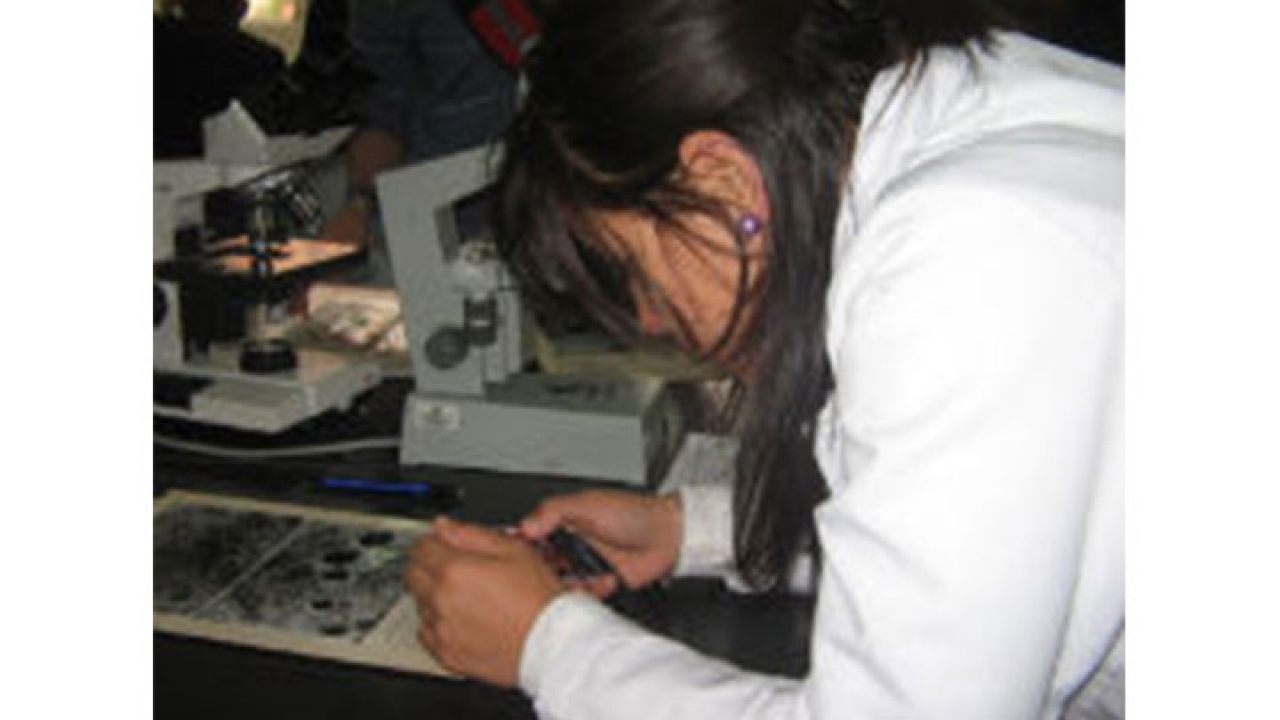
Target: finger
427	637
423	591
554	512
417	582
430	555
474	538
418	553
601	586
540	523
574	584
427	615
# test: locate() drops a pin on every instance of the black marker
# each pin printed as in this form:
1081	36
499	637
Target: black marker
584	561
582	558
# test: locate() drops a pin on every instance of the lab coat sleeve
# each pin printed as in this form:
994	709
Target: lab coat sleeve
706	544
971	380
581	660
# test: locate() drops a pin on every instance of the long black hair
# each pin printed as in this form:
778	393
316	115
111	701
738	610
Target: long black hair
613	87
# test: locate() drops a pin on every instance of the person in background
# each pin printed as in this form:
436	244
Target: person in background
900	224
437	90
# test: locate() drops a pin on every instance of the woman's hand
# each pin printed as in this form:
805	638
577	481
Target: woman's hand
478	593
638	534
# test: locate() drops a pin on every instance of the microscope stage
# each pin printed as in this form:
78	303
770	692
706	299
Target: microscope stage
229	264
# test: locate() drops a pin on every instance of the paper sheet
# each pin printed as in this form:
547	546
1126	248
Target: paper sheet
287	578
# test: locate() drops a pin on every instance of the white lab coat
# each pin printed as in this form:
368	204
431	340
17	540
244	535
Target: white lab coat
973	445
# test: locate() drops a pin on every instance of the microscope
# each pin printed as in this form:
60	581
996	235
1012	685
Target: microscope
229	259
475	403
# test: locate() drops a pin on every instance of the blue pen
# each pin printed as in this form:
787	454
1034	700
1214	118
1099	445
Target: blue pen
387	487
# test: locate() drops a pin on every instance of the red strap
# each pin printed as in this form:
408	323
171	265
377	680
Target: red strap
505	25
522	14
495	36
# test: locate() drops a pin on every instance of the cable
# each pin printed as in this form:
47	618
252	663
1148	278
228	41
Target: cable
388	443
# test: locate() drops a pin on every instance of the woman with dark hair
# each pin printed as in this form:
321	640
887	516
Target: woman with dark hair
900	225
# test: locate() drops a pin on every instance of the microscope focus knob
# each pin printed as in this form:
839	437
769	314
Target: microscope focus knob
446	347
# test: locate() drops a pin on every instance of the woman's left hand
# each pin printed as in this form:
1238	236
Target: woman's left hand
478	593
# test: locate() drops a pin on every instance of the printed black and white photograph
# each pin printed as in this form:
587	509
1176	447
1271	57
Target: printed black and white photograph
302	575
330	579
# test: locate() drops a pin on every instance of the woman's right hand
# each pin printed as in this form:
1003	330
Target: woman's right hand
638	534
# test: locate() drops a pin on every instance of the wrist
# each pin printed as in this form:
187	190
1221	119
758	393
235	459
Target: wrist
363	197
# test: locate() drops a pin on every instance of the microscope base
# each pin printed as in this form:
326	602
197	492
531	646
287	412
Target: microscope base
226	396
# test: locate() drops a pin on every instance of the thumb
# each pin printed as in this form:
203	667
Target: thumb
472	538
539	523
549	515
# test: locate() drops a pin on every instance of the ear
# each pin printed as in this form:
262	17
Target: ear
715	164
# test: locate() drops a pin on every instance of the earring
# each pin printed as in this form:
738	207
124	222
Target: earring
750	225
